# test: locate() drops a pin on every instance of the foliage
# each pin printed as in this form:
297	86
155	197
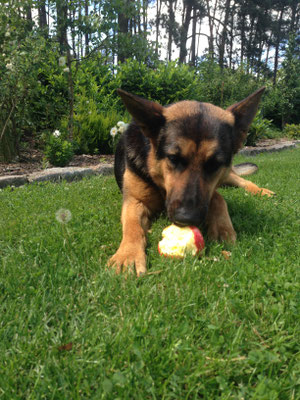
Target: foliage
95	80
292	131
19	58
58	150
32	86
163	82
224	87
92	126
283	100
111	44
259	129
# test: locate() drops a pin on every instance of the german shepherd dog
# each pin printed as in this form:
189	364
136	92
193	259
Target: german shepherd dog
176	157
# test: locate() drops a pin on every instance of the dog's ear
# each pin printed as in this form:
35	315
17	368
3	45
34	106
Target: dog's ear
147	114
244	112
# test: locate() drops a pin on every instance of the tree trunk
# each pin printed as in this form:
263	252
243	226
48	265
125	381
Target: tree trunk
224	34
28	13
211	27
194	33
231	38
276	58
43	17
62	21
171	28
157	21
187	13
123	24
86	36
243	17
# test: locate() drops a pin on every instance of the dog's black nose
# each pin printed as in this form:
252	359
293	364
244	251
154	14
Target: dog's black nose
184	216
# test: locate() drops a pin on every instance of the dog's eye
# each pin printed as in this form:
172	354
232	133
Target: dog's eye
174	159
177	161
212	165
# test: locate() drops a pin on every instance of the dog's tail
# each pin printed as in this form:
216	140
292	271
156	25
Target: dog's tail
245	169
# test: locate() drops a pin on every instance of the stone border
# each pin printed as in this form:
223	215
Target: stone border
252	151
76	173
56	175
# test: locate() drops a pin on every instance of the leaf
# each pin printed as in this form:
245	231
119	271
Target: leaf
66	347
226	254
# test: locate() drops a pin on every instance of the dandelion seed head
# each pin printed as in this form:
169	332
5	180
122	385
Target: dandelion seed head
63	215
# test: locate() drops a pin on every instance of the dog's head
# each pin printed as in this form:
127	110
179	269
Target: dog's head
192	145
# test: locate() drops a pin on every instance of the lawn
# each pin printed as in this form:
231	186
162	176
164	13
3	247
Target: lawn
209	328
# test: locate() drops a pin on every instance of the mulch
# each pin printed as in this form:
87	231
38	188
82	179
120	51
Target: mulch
31	160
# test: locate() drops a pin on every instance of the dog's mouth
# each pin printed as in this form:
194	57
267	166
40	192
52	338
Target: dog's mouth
182	216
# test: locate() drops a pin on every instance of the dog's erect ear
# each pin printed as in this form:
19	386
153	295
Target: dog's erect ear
147	114
244	112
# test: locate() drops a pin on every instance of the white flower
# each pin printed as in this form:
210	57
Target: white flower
120	123
123	128
10	66
87	102
113	131
56	133
90	112
63	215
62	61
67	69
7	34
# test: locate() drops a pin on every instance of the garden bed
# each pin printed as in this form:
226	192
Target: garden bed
31	159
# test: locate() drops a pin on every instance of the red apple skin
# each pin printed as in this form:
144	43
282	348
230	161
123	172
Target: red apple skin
199	240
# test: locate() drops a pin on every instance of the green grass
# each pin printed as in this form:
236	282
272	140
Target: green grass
197	329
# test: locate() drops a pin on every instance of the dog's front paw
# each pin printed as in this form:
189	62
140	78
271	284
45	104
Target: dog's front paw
256	190
266	192
221	232
126	258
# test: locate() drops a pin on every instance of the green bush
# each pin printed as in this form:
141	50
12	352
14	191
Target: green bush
165	83
92	127
292	131
58	151
260	128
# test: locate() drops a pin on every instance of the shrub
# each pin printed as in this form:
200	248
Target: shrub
92	127
165	83
58	150
292	131
260	128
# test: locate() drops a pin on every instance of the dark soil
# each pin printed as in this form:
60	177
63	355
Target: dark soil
30	159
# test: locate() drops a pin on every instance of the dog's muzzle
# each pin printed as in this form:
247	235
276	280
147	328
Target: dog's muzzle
184	215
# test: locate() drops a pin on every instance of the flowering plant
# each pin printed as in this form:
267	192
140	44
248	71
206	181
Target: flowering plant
59	151
116	132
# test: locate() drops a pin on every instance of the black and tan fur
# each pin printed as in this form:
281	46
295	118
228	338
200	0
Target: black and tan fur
176	157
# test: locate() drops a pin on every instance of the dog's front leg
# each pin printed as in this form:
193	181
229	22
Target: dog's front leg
218	220
140	202
135	223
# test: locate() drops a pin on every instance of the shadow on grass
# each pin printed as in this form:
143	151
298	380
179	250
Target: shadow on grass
248	217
